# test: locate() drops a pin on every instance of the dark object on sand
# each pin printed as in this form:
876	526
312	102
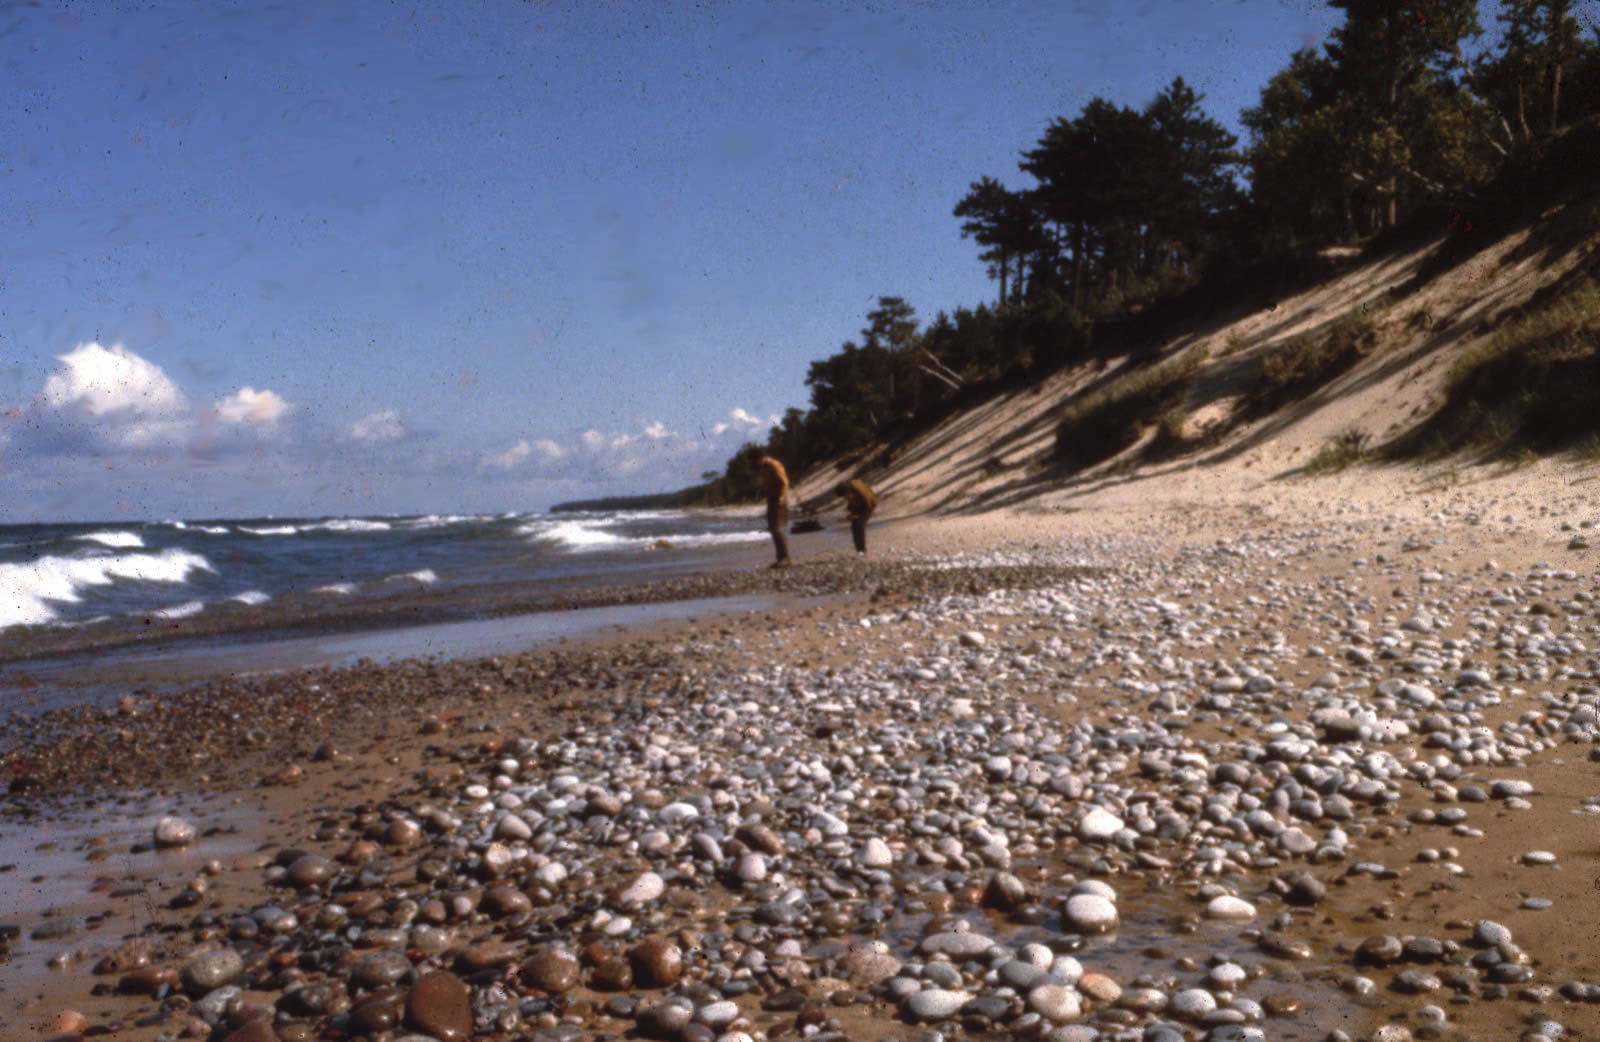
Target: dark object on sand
806	524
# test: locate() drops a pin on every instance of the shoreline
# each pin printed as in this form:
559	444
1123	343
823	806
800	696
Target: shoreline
1048	640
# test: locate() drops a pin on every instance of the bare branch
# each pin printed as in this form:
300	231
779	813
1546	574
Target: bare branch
939	376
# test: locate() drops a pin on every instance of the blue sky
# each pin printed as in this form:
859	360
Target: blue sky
374	257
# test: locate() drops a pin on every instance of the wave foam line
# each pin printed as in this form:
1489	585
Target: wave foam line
116	539
27	589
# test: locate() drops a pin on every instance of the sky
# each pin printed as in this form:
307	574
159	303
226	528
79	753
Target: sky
363	257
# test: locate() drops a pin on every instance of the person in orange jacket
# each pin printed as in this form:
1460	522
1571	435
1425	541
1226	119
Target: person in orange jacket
860	502
775	486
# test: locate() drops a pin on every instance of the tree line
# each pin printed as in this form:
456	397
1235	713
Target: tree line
1403	109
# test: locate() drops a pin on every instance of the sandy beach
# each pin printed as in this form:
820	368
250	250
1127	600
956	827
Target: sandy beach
1200	756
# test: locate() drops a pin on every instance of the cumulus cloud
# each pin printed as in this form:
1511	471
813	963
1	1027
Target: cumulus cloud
743	423
101	382
248	405
377	428
509	459
654	452
107	401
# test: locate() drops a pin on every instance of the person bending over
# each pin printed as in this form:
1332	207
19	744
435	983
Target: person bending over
775	486
859	502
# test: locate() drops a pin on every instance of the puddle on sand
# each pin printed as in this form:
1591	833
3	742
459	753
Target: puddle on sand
1146	945
78	886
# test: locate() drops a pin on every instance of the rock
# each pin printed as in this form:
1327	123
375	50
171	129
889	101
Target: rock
1230	908
645	887
1099	825
875	853
258	1030
381	969
206	973
311	870
656	963
174	832
1193	1003
956	945
666	1019
1055	1002
1099	987
1303	888
440	1004
553	971
867	965
1091	913
761	838
1379	950
935	1004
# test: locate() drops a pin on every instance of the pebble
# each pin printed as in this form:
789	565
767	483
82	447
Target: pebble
440	1004
206	973
933	1004
174	832
1055	1002
802	807
1229	907
1091	913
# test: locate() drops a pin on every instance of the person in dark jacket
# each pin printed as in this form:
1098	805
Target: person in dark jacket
860	502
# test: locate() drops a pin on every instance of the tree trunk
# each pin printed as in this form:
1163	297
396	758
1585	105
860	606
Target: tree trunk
1555	94
1078	265
1522	112
1005	263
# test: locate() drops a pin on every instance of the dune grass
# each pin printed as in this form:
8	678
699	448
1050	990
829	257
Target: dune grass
1531	387
1345	449
1303	363
1114	417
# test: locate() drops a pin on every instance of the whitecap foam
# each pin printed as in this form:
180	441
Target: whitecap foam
26	590
421	575
184	526
348	524
440	520
115	538
577	536
251	597
180	611
271	530
336	588
719	538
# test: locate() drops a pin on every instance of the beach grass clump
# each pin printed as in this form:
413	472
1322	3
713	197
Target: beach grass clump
1532	386
1345	449
1115	416
1303	363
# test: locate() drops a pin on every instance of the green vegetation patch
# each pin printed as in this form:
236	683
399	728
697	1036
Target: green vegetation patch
1345	449
1112	418
1303	363
1533	385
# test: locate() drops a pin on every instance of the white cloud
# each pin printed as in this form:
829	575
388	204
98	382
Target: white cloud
743	422
101	382
109	401
377	428
248	405
655	454
511	457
